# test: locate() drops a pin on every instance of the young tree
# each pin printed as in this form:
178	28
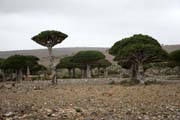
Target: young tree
87	58
136	51
49	39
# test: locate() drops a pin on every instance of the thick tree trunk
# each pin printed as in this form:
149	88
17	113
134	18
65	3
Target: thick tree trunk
27	72
98	72
85	73
134	73
81	73
140	74
69	72
105	73
74	72
3	75
52	66
19	75
88	71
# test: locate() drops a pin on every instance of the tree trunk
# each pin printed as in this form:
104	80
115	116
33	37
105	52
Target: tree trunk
27	72
52	66
85	73
3	75
134	73
140	74
81	73
105	73
98	72
69	72
74	72
19	75
88	70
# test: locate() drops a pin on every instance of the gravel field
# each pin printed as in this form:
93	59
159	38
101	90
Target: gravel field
93	99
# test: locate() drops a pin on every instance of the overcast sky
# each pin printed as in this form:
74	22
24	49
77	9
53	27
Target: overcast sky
94	23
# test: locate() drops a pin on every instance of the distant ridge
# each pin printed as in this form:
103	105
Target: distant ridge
170	48
61	52
42	53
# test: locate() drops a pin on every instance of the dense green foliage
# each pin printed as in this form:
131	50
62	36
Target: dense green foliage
1	62
17	62
67	62
137	51
141	54
49	38
102	63
14	62
175	56
138	38
88	57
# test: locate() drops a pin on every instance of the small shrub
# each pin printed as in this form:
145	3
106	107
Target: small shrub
149	82
112	82
129	82
78	110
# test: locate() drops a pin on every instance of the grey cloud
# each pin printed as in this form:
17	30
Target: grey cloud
96	22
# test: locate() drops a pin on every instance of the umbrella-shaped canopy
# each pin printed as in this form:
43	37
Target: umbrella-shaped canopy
49	38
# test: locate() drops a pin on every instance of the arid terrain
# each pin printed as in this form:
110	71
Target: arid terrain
92	99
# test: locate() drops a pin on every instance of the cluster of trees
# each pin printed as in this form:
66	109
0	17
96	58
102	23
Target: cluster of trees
135	53
85	61
17	66
138	51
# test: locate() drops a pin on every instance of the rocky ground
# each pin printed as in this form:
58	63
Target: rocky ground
89	101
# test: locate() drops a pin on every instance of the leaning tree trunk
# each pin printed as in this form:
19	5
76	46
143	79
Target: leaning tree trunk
52	66
88	70
140	75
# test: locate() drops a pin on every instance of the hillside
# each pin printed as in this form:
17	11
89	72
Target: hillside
60	52
170	48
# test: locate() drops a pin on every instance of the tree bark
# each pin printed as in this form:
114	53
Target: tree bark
98	72
88	70
19	75
69	72
105	73
52	66
140	74
27	72
134	73
85	73
74	72
3	75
